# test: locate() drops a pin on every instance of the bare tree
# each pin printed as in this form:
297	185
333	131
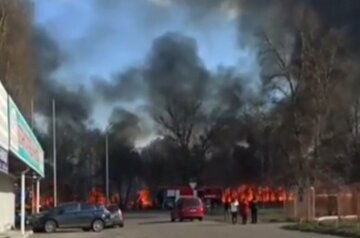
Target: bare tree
179	118
304	81
17	69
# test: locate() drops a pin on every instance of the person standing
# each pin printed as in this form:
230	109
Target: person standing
234	210
244	210
226	209
254	210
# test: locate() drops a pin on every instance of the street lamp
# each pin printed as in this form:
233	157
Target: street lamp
107	165
22	201
54	153
107	189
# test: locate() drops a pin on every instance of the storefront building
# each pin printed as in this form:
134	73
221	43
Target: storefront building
21	158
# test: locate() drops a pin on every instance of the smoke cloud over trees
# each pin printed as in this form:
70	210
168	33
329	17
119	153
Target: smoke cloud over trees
297	125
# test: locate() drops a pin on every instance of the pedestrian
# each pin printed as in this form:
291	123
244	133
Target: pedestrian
226	209
254	210
244	211
234	210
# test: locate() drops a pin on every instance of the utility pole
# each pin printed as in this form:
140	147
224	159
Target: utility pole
32	113
33	197
22	201
37	195
54	153
107	165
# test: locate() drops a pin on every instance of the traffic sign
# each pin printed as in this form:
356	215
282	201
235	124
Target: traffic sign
192	185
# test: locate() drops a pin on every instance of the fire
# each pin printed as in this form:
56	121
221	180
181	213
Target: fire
262	194
96	196
144	198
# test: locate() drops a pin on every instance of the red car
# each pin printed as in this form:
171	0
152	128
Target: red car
188	208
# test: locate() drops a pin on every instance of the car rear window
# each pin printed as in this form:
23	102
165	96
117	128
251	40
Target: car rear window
191	202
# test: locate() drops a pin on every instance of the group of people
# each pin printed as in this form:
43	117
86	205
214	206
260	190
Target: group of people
245	208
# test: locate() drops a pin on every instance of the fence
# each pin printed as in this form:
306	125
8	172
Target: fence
316	203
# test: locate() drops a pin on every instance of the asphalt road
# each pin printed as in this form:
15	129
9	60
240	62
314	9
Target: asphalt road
158	225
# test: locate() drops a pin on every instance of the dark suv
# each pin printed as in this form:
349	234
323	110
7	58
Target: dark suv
73	215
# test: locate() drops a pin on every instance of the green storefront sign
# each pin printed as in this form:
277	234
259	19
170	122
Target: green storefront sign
23	142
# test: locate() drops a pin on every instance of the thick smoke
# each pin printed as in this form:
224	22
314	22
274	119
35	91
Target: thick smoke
344	14
127	127
174	69
127	86
174	74
278	15
74	104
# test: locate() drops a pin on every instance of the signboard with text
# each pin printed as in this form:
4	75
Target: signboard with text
23	142
4	129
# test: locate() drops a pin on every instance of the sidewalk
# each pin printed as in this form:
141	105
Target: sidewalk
16	234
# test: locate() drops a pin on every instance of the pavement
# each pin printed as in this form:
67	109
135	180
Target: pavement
16	234
158	225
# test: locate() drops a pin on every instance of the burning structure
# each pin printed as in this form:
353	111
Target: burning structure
265	195
144	199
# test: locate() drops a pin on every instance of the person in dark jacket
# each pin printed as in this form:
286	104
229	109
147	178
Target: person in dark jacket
245	207
254	211
226	209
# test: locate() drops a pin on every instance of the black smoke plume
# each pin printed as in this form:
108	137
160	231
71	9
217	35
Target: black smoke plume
74	104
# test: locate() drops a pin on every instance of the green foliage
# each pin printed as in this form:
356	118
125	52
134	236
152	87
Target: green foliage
343	230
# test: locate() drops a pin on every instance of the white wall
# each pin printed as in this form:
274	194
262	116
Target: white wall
7	202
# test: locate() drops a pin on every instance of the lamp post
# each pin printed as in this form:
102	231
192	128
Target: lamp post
54	153
22	216
107	165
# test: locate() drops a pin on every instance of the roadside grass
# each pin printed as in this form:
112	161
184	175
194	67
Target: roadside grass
272	215
266	215
343	229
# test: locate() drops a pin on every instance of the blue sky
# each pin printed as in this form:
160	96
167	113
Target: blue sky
103	37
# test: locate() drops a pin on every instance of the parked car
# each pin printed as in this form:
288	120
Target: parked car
72	215
188	208
116	215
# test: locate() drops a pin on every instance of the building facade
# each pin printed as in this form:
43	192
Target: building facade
21	156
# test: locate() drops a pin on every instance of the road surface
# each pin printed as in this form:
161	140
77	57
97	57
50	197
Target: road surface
158	225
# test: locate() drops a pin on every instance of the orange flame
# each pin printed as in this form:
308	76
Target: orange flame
262	194
145	199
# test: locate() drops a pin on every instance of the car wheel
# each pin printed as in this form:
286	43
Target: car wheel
97	225
172	219
200	219
86	229
121	225
181	219
50	226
